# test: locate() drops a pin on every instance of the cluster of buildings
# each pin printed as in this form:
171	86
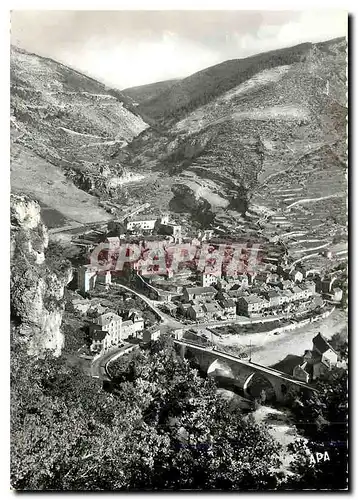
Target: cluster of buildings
147	224
110	330
245	295
317	361
275	288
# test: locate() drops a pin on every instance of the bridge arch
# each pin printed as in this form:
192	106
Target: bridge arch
224	368
258	384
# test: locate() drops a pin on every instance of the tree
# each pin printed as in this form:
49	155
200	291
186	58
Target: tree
163	427
323	418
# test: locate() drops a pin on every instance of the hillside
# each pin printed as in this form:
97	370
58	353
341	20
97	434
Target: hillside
234	151
64	123
204	86
253	145
144	93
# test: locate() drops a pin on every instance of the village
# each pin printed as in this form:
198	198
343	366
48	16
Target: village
137	305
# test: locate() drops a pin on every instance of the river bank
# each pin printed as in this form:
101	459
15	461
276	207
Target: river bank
268	349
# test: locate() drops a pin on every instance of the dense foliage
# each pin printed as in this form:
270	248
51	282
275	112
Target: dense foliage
322	417
162	428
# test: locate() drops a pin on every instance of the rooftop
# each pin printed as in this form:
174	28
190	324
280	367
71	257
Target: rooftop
199	290
212	307
227	303
196	307
321	343
98	335
105	319
253	299
144	217
128	322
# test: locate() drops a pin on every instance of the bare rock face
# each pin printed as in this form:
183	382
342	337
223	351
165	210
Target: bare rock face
36	290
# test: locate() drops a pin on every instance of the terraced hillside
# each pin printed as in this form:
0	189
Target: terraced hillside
286	124
64	122
256	144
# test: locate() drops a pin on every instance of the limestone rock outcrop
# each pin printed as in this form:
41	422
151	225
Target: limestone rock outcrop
36	289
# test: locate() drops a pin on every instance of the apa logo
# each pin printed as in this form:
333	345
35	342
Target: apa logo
319	457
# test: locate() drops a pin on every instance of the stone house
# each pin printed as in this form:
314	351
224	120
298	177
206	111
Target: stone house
321	346
303	372
183	307
199	293
317	361
212	309
275	298
86	278
99	341
170	308
229	308
298	293
195	312
112	324
152	333
251	305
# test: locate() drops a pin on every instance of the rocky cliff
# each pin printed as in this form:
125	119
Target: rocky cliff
37	288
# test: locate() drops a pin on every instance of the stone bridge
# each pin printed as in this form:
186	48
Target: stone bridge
242	373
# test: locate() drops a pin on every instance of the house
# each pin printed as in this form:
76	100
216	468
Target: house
142	222
288	295
206	234
251	305
183	307
329	357
241	281
229	308
113	243
303	372
199	293
99	340
164	219
146	222
311	287
209	279
152	333
297	293
173	230
127	329
295	276
222	295
274	298
86	278
317	361
195	312
319	369
178	333
104	277
137	320
170	308
337	294
261	278
285	284
327	284
112	324
212	309
273	279
235	295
